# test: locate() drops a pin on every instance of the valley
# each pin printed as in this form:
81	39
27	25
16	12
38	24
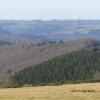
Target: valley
32	42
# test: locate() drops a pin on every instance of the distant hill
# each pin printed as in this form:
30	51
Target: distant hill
4	31
51	30
2	43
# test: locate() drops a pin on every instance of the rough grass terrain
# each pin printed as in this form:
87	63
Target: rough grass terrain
90	91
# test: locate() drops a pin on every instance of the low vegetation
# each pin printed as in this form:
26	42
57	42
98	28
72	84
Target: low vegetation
90	91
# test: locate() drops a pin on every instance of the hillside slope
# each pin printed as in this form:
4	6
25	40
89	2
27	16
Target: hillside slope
21	54
76	66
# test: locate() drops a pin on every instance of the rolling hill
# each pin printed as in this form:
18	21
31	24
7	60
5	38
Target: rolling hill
25	43
51	30
16	57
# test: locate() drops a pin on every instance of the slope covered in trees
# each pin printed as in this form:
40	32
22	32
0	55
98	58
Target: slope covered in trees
80	65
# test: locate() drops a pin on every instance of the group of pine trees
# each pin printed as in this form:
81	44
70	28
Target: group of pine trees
75	66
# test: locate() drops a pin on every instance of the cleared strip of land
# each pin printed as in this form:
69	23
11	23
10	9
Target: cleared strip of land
87	91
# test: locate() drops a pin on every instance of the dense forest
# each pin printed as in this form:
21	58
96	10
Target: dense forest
76	66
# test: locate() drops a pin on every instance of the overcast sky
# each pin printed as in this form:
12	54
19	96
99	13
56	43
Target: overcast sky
49	9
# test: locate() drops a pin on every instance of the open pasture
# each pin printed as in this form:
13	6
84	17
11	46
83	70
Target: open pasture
86	91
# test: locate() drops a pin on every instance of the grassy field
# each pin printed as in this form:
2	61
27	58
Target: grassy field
85	91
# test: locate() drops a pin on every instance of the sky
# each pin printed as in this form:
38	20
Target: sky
49	9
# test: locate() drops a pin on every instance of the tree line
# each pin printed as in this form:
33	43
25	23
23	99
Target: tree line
76	66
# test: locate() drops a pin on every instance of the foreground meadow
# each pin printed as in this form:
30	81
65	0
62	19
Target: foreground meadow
85	91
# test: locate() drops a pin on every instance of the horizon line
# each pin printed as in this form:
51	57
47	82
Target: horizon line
34	19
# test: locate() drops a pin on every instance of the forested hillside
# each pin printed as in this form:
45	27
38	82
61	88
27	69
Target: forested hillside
78	65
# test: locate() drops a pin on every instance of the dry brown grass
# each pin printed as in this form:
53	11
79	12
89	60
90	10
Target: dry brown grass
64	92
